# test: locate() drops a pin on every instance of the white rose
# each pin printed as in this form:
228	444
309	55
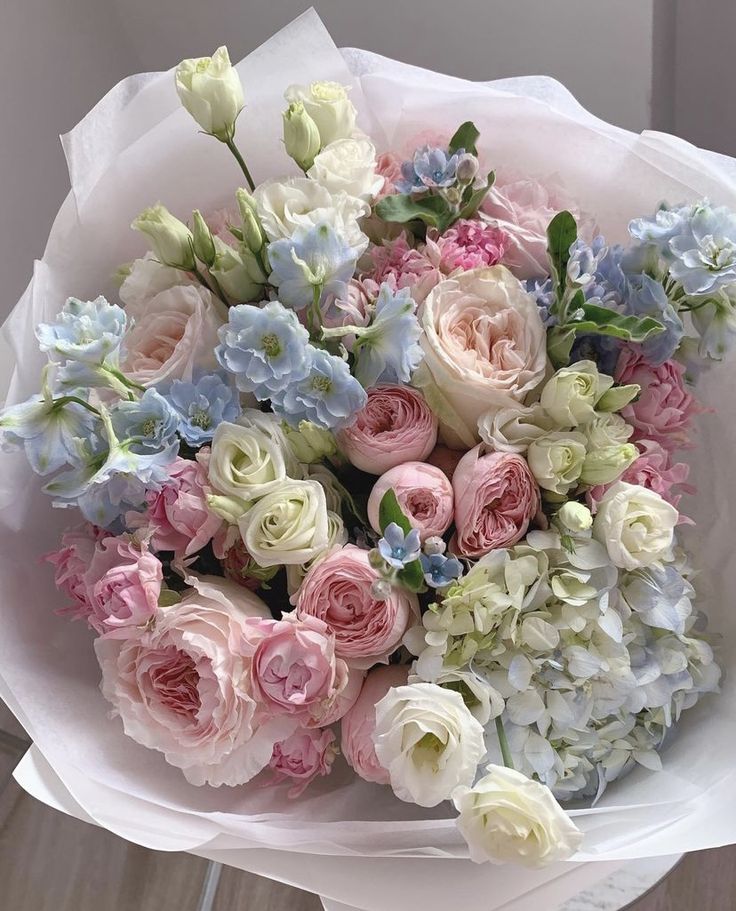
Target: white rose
571	394
484	347
428	742
348	166
556	460
210	89
287	526
513	429
635	525
328	105
508	818
285	205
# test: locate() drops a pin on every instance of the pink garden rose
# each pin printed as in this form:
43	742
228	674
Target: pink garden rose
182	687
302	757
424	494
664	409
496	497
71	562
396	425
337	590
359	723
123	583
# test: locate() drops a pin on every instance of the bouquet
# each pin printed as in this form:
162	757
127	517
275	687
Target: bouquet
382	460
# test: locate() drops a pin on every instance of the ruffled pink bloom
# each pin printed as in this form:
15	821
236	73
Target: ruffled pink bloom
466	245
664	410
337	590
238	565
424	494
123	586
388	165
400	265
395	426
71	562
359	725
302	757
496	497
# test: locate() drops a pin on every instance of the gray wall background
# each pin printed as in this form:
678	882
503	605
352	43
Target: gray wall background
637	63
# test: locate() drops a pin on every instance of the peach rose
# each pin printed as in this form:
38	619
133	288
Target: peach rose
424	494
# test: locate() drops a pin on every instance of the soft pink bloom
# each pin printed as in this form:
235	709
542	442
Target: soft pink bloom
182	687
123	586
424	494
445	459
399	264
388	165
302	757
219	222
337	590
71	562
466	245
359	724
351	309
664	410
496	497
396	425
237	563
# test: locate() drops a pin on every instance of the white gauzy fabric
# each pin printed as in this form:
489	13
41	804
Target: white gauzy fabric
138	146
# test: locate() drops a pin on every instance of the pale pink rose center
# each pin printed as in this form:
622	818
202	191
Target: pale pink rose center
159	343
485	342
174	680
421	503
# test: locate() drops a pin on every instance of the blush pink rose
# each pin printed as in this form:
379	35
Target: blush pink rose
173	335
359	723
303	756
123	586
496	497
424	494
664	410
337	590
182	687
71	562
177	516
396	425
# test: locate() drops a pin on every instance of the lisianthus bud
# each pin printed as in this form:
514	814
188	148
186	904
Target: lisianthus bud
434	545
253	234
237	272
301	135
170	238
574	517
204	245
210	89
310	443
602	466
328	105
467	168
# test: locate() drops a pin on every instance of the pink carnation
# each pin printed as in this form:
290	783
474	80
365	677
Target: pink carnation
71	562
467	245
402	266
302	757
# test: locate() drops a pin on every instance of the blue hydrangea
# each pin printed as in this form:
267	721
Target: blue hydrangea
660	595
329	395
440	570
704	251
388	350
87	331
429	168
146	425
202	405
265	348
316	260
397	548
647	297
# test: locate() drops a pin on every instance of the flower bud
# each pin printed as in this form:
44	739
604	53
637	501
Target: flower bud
376	560
574	517
328	105
171	240
602	466
310	443
237	272
204	245
210	89
253	234
467	168
434	545
301	135
453	196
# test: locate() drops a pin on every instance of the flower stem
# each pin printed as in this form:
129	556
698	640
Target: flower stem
211	285
230	143
69	399
314	315
504	744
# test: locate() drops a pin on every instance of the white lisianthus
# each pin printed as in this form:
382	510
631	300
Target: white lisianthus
508	818
606	429
513	429
348	166
211	91
571	394
245	463
574	517
556	460
635	525
301	136
604	465
483	700
171	240
287	526
428	741
310	443
328	105
238	272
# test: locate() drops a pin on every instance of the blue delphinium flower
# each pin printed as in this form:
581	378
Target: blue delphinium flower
715	322
202	405
147	425
440	570
329	395
659	229
429	168
647	297
704	252
86	331
265	348
603	350
315	260
397	548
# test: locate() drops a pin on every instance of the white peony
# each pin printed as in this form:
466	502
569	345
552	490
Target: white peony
348	166
328	105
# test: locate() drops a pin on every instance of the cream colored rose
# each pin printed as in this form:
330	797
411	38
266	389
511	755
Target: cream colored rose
348	166
287	526
328	105
508	818
513	429
571	394
606	429
211	91
556	460
484	346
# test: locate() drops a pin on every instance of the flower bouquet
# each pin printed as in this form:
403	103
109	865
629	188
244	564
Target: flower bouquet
373	458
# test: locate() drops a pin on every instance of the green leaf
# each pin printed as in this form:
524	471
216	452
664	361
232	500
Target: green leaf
559	344
168	598
602	321
562	233
389	511
434	211
465	137
473	199
412	576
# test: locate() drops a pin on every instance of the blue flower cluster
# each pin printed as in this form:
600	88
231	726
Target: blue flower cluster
429	168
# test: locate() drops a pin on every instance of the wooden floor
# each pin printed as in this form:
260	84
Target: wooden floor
50	862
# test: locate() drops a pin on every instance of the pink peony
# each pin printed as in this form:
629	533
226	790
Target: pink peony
71	562
496	497
359	724
123	586
337	590
467	245
402	266
396	425
302	757
424	494
664	409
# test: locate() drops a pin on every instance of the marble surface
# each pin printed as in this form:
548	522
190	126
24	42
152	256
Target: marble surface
624	887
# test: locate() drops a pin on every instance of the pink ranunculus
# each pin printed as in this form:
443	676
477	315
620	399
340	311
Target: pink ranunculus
468	244
294	667
359	723
123	586
303	756
71	562
177	516
173	335
496	497
396	425
182	687
664	410
337	590
424	494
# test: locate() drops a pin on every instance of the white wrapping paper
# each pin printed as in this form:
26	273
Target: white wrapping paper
138	146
